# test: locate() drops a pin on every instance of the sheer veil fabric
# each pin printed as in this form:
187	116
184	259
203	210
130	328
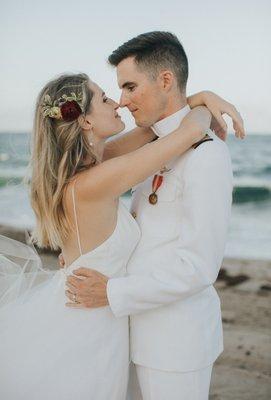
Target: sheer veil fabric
20	270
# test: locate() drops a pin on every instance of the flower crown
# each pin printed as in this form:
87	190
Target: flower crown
66	108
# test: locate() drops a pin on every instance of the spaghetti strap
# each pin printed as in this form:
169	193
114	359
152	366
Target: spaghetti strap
76	221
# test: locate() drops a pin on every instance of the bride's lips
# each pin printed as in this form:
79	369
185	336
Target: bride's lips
134	111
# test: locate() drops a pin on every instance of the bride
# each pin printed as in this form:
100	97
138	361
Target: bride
49	351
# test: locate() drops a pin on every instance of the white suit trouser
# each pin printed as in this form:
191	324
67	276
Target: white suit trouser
150	384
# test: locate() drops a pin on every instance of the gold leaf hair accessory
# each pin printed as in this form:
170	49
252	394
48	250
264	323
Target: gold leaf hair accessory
66	108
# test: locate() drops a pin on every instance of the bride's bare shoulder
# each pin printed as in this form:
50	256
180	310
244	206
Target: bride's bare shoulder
85	185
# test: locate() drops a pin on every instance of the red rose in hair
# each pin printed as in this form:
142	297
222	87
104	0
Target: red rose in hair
70	110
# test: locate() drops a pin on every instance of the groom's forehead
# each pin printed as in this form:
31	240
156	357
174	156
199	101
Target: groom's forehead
127	72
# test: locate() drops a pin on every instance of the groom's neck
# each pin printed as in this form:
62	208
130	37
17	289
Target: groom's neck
174	104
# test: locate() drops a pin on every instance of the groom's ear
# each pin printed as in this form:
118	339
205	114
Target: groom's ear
166	80
85	122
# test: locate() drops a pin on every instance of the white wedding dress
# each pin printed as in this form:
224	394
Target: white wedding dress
51	352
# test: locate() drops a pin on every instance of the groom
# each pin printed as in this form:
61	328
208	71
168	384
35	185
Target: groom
175	317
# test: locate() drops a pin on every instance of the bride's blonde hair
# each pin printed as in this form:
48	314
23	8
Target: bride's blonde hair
59	151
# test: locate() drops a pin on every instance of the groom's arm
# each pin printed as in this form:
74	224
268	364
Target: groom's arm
206	205
128	142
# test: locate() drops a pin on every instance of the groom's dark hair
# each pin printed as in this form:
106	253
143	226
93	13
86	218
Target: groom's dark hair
153	51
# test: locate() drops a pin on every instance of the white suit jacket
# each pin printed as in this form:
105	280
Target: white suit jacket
175	316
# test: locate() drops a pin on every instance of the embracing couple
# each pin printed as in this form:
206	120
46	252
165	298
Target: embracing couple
139	284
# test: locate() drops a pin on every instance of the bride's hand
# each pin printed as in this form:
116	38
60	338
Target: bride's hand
218	107
196	123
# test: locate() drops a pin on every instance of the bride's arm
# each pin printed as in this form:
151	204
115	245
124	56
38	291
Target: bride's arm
218	106
113	177
138	137
128	142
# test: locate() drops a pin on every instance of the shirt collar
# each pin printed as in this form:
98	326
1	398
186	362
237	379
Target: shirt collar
170	123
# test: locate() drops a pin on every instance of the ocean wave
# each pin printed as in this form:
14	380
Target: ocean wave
263	172
7	181
267	170
245	194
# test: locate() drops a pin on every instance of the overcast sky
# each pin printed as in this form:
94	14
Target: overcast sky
228	46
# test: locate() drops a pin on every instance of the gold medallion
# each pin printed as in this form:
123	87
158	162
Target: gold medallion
153	198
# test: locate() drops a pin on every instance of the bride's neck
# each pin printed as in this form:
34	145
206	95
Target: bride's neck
97	144
98	148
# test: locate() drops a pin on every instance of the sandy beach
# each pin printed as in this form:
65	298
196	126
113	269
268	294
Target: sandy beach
243	371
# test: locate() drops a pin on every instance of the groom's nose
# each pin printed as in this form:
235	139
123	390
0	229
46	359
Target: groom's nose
124	100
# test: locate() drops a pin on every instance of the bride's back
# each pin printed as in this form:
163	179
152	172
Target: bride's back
96	221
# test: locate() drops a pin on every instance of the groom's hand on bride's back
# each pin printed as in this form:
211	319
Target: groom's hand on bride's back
86	288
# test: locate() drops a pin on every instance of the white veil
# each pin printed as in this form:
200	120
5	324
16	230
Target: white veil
20	270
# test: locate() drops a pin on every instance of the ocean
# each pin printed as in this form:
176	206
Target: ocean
250	230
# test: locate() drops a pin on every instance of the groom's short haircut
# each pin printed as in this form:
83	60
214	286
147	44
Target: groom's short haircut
154	51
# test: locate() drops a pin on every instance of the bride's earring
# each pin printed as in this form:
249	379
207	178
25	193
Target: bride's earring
90	138
90	141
